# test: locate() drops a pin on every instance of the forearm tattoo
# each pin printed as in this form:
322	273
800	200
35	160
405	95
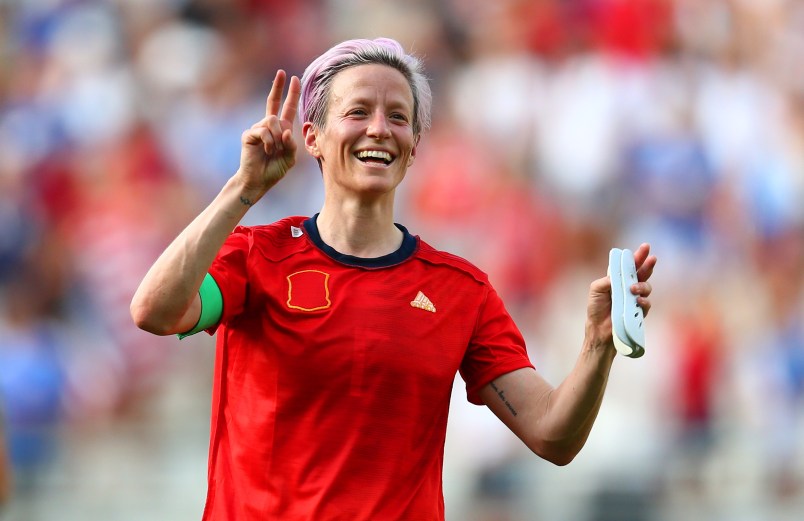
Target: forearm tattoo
246	201
501	394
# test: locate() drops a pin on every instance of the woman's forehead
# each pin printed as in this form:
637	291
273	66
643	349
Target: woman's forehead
371	80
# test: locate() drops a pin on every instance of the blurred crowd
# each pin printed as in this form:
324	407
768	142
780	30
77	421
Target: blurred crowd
561	128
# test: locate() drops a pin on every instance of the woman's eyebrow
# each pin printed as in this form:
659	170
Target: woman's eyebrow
362	100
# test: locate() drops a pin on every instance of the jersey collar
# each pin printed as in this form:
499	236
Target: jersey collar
405	251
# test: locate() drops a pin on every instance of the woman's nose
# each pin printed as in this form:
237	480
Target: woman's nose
378	126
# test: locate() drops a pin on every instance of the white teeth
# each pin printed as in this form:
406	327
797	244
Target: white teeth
376	154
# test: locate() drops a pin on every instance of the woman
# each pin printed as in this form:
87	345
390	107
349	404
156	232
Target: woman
339	336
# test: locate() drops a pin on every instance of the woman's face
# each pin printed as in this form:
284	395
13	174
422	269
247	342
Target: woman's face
367	142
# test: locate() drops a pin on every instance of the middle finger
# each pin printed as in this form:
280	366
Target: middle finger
274	100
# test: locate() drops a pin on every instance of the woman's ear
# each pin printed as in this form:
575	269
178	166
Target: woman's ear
310	133
413	150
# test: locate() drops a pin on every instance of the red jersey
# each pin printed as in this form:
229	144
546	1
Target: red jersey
333	375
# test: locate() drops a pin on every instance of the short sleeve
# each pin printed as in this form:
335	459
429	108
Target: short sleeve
497	347
230	271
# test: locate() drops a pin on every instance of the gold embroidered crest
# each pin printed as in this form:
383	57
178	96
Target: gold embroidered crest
308	290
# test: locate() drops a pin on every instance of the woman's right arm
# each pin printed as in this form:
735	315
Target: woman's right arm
167	300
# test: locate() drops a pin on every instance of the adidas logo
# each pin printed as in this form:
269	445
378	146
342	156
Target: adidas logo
422	302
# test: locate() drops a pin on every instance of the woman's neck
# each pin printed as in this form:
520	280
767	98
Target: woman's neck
360	231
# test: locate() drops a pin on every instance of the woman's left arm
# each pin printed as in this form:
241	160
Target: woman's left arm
555	422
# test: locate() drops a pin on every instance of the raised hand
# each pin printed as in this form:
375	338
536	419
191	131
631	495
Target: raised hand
599	305
268	147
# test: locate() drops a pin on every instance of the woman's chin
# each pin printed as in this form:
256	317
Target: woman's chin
375	183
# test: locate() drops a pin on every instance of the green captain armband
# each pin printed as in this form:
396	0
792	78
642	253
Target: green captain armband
211	306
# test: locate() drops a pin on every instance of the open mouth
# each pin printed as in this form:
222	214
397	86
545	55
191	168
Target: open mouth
377	157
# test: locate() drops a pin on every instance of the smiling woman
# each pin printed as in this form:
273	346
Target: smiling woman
339	335
364	147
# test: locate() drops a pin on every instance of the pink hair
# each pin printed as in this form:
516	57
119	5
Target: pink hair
317	78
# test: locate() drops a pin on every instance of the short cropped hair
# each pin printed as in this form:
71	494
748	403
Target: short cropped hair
316	82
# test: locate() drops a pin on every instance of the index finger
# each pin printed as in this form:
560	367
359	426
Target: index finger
644	262
292	100
275	95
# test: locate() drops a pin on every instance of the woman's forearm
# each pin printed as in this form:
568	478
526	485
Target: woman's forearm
573	406
163	303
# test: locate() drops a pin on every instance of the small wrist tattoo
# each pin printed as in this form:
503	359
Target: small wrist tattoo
246	201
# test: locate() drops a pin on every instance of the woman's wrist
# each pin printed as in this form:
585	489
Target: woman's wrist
241	194
598	339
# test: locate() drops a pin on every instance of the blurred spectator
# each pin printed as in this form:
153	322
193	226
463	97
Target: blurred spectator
32	380
6	474
698	374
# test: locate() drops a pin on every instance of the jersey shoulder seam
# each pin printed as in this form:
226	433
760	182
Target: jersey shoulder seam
433	256
277	241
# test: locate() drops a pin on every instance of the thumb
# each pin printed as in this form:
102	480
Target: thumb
601	286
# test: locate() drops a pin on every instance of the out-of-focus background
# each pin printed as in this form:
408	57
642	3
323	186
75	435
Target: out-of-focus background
561	129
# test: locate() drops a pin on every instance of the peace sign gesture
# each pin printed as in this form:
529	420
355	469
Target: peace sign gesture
268	148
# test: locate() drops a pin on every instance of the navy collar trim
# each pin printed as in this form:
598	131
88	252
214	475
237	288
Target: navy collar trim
405	251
